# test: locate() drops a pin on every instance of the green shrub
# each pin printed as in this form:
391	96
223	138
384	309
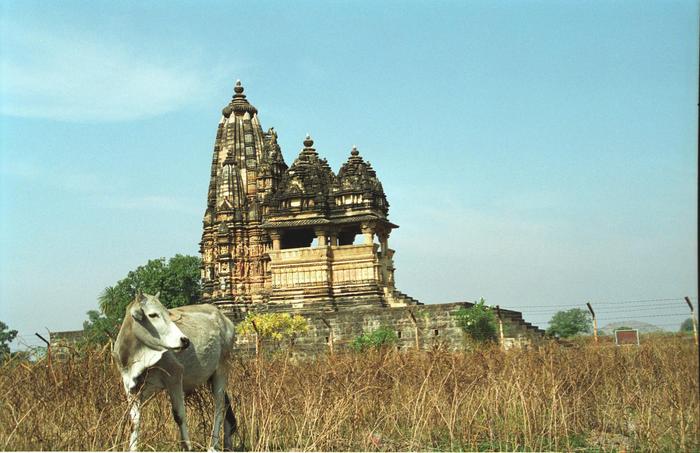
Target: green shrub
377	339
568	323
478	321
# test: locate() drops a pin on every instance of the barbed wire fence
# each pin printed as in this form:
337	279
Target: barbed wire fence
665	313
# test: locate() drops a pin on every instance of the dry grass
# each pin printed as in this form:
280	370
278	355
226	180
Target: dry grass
551	398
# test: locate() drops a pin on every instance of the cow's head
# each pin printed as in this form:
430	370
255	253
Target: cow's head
153	326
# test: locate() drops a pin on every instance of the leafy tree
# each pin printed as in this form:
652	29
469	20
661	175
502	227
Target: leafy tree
377	339
687	325
99	328
478	321
568	323
6	337
177	280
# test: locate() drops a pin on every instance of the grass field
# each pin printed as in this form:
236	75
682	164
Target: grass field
581	398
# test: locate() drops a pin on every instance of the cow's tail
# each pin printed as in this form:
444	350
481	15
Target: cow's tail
230	425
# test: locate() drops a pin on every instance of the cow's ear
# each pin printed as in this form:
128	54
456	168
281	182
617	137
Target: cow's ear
137	313
139	296
157	295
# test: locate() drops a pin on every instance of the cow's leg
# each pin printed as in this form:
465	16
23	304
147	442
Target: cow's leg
135	414
229	424
218	389
177	400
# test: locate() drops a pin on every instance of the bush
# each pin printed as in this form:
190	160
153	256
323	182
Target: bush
687	325
565	324
274	326
478	321
377	339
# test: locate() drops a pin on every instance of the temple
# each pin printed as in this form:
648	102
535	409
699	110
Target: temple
299	236
302	239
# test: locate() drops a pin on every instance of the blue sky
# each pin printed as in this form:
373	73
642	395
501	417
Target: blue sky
539	154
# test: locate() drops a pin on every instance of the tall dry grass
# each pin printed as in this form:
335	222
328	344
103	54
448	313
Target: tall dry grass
551	398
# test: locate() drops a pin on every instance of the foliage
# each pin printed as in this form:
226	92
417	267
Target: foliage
687	325
275	326
6	337
98	328
567	323
478	321
377	339
177	280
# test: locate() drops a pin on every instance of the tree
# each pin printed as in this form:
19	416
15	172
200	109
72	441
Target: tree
177	280
478	321
377	339
687	325
568	323
98	328
6	337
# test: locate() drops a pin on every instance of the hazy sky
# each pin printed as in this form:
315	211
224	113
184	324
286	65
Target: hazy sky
538	154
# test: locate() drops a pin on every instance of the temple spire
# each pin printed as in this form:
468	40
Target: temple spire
239	105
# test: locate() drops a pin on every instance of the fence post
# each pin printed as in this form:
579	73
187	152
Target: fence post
595	322
48	355
692	316
500	328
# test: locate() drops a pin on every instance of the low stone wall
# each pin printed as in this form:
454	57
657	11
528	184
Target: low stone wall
423	326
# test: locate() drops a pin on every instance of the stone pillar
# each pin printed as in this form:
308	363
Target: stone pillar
321	235
384	241
368	232
276	240
334	238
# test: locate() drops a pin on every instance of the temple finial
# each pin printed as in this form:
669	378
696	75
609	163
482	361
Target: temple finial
238	88
308	143
354	151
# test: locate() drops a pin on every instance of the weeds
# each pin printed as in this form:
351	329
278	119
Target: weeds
578	398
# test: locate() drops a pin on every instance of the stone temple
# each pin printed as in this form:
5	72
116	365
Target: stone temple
301	236
302	239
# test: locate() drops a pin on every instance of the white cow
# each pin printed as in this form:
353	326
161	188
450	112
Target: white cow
176	350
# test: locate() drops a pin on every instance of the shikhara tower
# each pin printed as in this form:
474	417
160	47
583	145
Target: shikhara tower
284	236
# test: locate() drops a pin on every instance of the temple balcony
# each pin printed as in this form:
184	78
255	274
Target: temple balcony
325	273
